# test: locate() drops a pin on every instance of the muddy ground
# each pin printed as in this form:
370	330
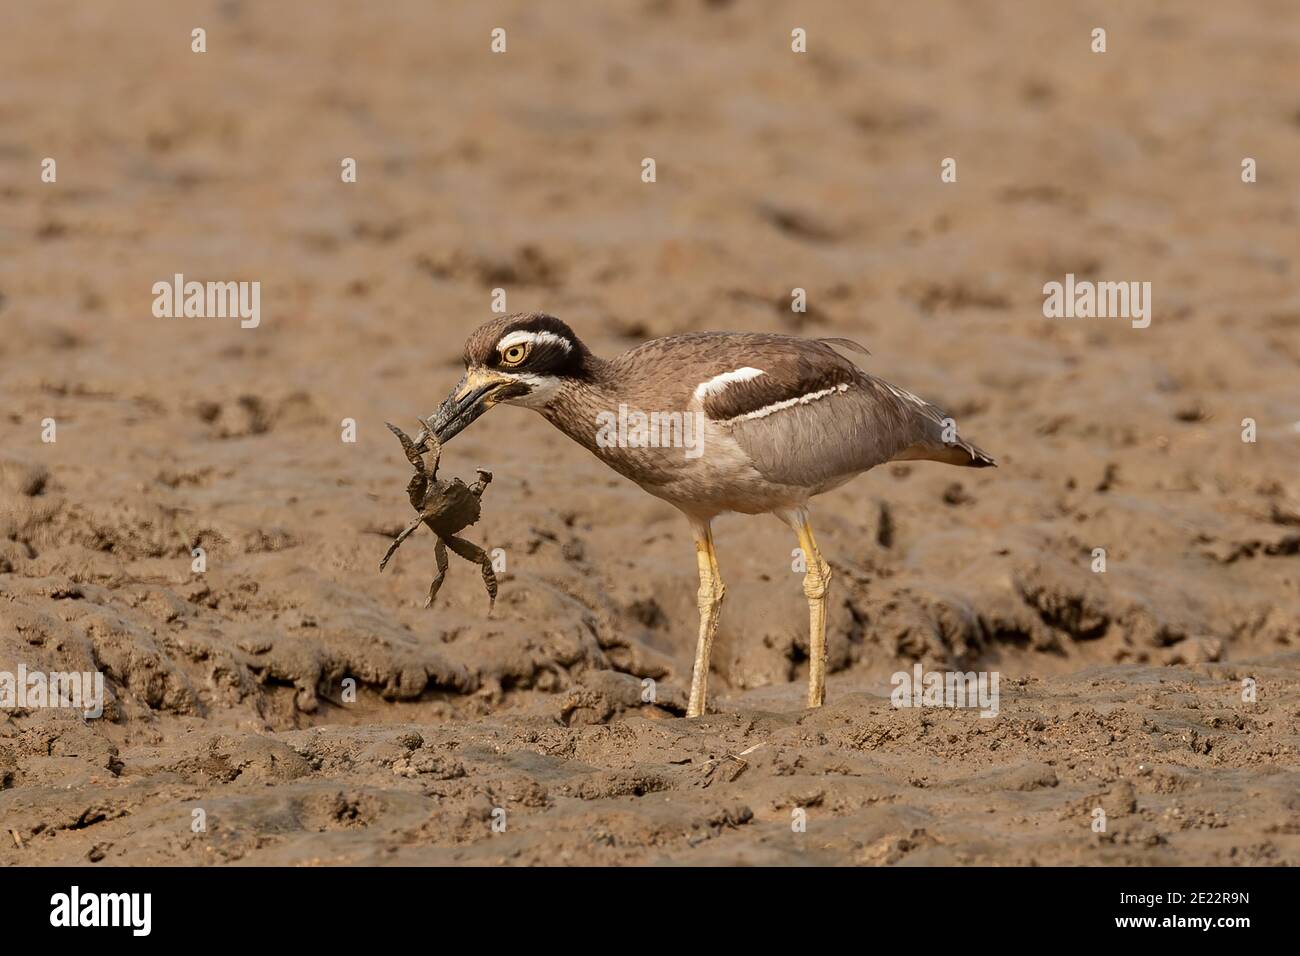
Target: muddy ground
1120	690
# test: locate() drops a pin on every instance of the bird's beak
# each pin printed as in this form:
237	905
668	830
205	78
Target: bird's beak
478	390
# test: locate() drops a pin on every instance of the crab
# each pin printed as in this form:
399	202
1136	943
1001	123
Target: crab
448	507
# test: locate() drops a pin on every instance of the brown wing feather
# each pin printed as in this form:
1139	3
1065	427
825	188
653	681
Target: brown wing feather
830	439
787	374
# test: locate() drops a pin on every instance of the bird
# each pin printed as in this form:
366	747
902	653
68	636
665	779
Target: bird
711	423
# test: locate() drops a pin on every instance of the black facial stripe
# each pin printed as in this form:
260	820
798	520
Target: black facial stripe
553	348
547	355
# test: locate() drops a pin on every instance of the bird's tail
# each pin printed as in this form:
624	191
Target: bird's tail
929	433
959	452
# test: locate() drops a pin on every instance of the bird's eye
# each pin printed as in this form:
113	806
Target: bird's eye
514	355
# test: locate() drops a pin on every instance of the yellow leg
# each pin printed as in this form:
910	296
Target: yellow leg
710	604
816	580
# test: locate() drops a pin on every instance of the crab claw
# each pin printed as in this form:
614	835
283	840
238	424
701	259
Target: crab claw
428	442
412	452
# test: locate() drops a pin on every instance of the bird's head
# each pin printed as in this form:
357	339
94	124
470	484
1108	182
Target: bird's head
523	359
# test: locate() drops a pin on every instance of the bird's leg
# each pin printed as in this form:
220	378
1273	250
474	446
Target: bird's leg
472	552
397	542
815	582
710	604
439	555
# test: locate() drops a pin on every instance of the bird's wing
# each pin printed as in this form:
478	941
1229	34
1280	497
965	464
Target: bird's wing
783	369
814	418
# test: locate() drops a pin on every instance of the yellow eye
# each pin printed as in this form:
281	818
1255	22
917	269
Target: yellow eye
514	355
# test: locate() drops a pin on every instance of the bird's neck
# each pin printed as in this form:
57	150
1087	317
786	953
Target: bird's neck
575	409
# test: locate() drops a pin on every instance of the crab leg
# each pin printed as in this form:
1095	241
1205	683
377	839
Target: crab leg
440	555
484	479
397	542
428	442
472	552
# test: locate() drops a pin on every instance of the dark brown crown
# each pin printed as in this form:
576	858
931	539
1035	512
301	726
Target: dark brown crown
546	357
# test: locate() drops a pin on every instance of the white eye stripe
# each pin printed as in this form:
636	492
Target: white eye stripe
522	337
